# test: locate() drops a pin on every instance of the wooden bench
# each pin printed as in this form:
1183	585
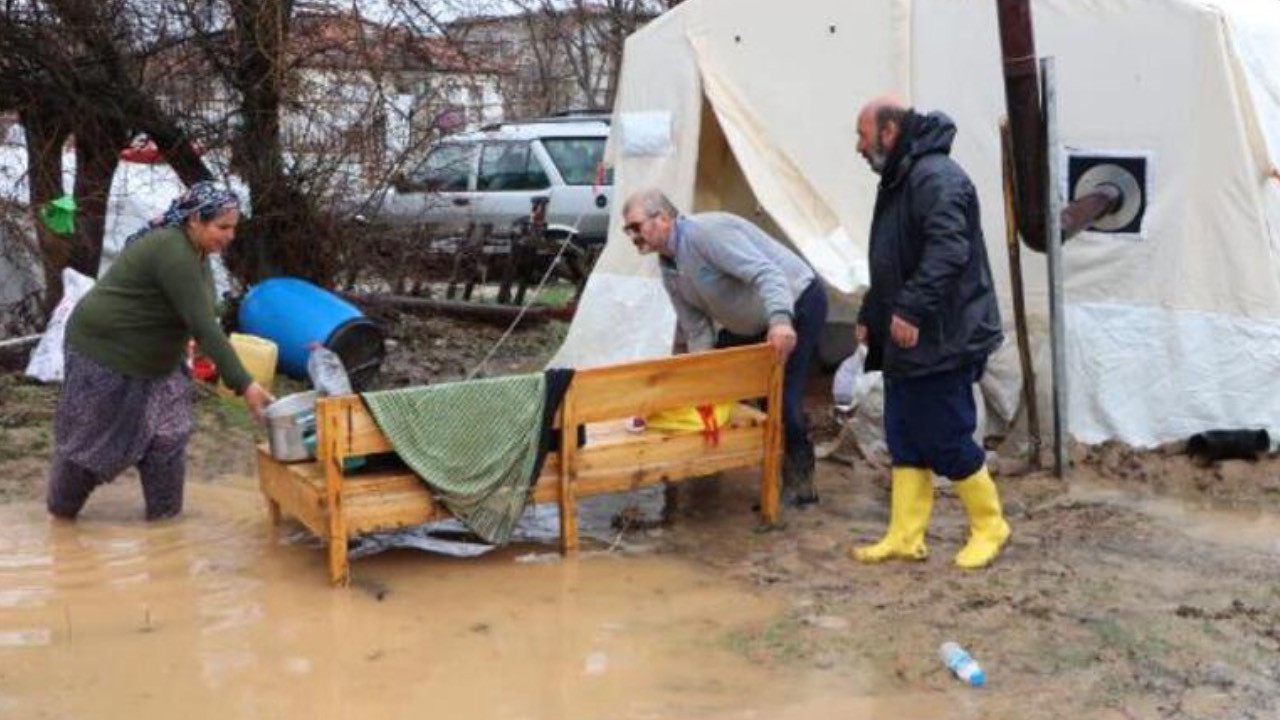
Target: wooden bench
336	505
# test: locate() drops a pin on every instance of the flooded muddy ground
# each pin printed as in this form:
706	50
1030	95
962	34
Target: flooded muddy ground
1146	587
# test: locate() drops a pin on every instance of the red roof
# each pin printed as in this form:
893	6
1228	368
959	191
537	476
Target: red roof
349	41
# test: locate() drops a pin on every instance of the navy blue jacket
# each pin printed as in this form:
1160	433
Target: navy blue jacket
928	258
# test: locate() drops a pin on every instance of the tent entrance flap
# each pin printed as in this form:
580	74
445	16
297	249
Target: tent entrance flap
720	184
775	182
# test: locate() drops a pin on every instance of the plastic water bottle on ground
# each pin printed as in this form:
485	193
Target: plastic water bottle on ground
962	664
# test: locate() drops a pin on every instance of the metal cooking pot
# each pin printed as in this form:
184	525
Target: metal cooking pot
288	420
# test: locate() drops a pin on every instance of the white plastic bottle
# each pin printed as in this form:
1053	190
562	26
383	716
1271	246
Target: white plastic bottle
328	376
962	664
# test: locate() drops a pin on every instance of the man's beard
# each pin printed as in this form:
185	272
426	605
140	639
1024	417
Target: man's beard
877	157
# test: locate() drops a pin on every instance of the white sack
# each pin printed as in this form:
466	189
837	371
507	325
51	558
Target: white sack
47	360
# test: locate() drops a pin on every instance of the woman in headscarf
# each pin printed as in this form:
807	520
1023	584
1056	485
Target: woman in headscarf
126	396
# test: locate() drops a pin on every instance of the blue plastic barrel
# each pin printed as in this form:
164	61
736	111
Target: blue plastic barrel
294	313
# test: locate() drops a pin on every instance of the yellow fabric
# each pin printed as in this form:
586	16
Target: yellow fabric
988	531
911	504
688	418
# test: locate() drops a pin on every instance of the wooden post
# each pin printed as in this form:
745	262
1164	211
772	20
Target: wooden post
770	485
459	260
1019	299
339	572
568	475
273	507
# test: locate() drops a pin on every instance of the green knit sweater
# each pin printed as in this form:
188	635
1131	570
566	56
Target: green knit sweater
137	319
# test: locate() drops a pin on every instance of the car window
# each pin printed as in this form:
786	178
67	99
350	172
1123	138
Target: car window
510	166
445	169
577	159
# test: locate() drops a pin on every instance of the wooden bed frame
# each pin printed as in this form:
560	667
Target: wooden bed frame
338	505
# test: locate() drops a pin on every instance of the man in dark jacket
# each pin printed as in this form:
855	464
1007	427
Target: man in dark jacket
929	319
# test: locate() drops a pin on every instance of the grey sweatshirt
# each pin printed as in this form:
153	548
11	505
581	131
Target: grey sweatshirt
726	271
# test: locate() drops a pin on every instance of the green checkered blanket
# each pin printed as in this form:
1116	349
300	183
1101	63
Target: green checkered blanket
474	443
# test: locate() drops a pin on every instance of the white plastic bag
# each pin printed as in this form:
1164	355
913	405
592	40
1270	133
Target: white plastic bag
46	361
862	426
327	373
846	376
859	399
851	384
646	134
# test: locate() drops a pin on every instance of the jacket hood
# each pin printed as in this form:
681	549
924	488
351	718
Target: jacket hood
932	133
921	135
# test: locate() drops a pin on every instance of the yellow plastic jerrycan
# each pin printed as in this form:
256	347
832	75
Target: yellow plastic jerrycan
258	355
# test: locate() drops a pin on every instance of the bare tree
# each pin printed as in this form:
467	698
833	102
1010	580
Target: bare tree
67	69
567	54
85	69
231	73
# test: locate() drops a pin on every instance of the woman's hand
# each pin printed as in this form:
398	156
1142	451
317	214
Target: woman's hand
257	399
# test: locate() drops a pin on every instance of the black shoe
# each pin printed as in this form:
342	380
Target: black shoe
800	500
797	480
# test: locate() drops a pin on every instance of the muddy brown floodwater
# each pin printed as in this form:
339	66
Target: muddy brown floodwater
207	617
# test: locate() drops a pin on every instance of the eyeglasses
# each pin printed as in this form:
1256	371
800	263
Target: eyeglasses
633	228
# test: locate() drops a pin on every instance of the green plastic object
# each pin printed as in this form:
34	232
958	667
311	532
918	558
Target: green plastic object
60	215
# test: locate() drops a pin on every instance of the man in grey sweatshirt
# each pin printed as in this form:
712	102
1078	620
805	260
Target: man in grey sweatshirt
731	284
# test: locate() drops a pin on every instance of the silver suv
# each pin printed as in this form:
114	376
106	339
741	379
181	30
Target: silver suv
491	176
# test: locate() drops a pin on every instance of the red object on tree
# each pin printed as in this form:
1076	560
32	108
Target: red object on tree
143	150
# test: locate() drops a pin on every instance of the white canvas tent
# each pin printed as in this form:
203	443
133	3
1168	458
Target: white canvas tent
1172	331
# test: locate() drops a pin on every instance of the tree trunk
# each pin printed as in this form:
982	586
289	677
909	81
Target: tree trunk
97	156
281	237
176	146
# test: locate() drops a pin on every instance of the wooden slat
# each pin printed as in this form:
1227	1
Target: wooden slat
354	486
360	432
771	467
566	492
362	436
642	388
336	433
666	449
296	497
621	479
392	510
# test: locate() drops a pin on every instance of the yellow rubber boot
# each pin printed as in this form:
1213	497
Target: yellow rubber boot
988	531
910	504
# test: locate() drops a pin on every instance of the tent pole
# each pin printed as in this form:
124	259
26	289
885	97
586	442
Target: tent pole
1019	299
1026	120
1053	224
1023	101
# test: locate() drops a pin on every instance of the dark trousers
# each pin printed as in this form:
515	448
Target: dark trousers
810	313
929	422
162	471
